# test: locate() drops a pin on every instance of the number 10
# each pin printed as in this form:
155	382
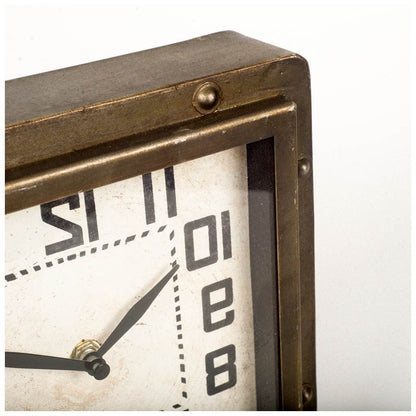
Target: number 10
211	222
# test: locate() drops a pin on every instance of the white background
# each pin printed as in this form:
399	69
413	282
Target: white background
359	57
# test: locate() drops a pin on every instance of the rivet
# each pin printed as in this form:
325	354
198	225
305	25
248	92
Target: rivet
307	393
304	167
206	97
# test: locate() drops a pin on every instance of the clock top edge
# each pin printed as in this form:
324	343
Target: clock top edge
42	95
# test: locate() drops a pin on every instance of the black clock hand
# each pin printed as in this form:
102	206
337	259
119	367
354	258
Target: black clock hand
135	313
93	365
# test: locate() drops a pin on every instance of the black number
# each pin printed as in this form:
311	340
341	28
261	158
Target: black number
91	215
212	371
75	230
170	191
209	308
149	201
211	223
190	227
226	234
58	222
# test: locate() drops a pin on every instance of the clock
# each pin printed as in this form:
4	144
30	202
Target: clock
159	232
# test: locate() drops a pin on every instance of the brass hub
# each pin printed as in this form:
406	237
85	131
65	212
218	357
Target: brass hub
85	347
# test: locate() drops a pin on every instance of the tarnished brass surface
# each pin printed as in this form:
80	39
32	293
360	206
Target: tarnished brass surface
84	347
78	128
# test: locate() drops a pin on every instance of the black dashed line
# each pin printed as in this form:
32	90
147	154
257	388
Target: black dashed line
176	406
93	250
179	335
10	277
131	238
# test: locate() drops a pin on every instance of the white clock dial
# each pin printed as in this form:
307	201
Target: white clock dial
74	267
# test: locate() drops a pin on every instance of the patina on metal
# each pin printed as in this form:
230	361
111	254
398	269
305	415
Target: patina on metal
83	348
74	129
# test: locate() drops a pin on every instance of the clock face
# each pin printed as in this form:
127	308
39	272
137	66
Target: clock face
75	267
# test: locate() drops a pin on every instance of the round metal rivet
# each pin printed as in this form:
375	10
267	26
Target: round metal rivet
304	167
307	393
206	97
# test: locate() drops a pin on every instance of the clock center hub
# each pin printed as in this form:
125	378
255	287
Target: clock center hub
87	350
85	347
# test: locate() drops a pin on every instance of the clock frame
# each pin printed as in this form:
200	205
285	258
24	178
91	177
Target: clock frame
78	128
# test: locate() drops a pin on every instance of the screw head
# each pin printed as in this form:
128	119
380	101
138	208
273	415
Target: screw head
307	393
304	167
206	97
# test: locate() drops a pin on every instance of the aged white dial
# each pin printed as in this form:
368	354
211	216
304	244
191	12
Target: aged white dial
76	266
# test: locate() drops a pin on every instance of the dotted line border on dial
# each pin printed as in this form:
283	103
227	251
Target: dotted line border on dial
179	329
73	256
116	243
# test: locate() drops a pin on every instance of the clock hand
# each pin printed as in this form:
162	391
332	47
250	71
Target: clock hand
135	313
93	365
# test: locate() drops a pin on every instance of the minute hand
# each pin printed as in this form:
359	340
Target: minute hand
135	313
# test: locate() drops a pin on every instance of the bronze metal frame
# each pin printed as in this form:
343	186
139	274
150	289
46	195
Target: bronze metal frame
77	128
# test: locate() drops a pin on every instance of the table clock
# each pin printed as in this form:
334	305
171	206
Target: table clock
159	232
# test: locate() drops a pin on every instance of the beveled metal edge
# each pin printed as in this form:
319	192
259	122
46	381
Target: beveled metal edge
294	225
56	92
36	140
139	154
288	260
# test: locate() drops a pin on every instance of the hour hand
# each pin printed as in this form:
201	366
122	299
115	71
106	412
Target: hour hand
136	312
93	365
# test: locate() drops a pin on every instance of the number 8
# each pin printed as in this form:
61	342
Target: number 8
213	371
